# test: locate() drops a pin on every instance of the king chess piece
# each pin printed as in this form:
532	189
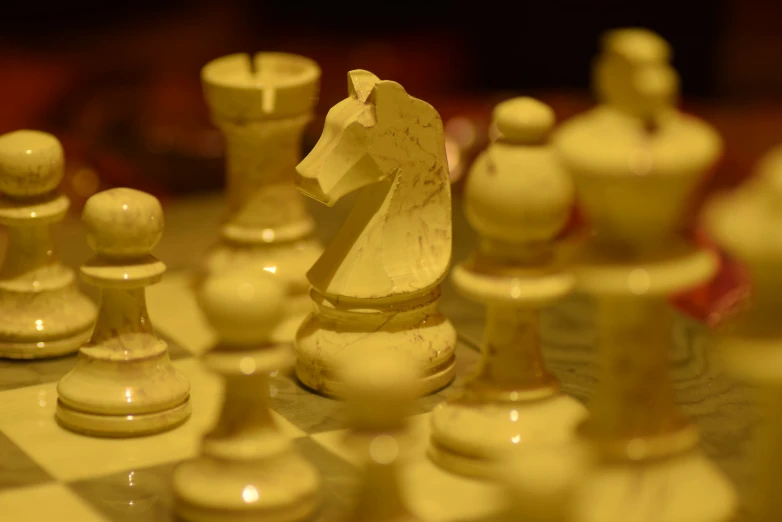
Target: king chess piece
518	198
123	383
44	314
248	470
261	104
746	224
636	162
377	284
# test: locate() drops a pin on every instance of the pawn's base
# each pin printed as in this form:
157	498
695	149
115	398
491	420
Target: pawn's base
685	487
215	490
471	436
44	349
121	426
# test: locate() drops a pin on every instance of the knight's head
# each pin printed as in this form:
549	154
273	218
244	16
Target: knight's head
377	130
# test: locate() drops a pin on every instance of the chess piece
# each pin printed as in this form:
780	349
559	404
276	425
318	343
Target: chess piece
518	198
541	481
380	391
377	284
123	384
261	105
636	161
44	314
746	225
247	470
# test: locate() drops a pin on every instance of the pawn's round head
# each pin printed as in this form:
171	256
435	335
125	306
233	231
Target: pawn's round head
524	120
380	388
243	305
31	163
123	223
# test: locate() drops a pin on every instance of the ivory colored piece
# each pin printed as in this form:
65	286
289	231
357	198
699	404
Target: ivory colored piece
636	161
517	198
377	284
746	224
261	104
44	314
123	384
380	391
247	470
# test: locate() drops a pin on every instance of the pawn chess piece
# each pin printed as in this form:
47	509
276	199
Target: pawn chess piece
247	470
380	392
261	105
746	224
542	480
377	284
518	198
44	314
123	384
636	162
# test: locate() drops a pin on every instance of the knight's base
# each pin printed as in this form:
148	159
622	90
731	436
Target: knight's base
122	426
325	383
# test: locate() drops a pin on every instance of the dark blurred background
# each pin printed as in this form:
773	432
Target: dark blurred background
118	82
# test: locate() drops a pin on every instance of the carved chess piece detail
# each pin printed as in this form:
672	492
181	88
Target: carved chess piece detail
123	384
636	161
44	314
261	105
377	284
518	198
247	470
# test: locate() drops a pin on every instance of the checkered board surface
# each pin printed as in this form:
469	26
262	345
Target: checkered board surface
50	474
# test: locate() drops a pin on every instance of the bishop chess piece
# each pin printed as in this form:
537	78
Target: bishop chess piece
518	198
247	470
262	104
636	161
377	284
44	314
746	224
123	383
380	392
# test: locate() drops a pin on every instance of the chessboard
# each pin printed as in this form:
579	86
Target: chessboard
48	473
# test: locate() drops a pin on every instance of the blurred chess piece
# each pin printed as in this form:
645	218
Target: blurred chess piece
123	383
518	198
746	224
542	481
380	393
261	105
247	469
378	283
636	161
44	314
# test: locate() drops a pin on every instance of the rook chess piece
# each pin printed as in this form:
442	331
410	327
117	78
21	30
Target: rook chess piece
746	224
636	161
377	284
518	198
262	104
44	314
380	391
123	383
248	470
